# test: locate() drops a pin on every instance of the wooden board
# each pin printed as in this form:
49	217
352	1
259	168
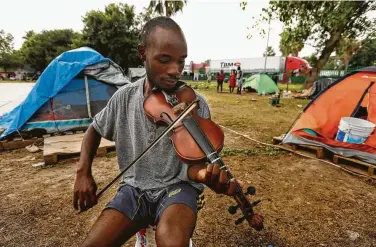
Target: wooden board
16	144
56	147
356	165
320	154
277	140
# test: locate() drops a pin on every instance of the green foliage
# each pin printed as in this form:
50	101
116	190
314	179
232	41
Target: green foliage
114	33
346	49
39	49
291	43
166	8
311	59
366	55
6	42
269	52
9	58
322	24
331	64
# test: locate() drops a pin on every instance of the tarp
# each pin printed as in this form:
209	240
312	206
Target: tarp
351	96
136	73
319	86
55	77
262	83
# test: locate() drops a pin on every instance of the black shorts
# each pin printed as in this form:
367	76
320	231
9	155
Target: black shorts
140	206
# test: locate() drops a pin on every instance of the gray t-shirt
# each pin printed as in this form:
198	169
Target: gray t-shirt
124	121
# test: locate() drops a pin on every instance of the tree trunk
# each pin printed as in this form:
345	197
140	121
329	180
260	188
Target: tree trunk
313	74
330	45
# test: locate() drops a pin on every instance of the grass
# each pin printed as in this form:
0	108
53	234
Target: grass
255	151
304	202
213	85
257	118
291	87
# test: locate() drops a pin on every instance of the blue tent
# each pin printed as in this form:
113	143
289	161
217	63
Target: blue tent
76	78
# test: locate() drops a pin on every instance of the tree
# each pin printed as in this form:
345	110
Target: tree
166	8
39	49
322	24
9	58
346	49
311	59
366	55
114	33
290	43
269	52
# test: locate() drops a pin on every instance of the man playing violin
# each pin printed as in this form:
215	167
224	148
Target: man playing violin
159	189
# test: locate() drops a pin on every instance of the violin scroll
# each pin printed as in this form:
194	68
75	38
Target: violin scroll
254	220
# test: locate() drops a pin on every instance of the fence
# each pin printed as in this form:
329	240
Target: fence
272	73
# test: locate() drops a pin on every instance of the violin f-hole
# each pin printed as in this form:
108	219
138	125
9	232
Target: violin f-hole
168	116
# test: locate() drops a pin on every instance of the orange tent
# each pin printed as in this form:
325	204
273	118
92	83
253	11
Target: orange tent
351	96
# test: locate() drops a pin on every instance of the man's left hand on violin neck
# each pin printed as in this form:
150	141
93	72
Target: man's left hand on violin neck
213	177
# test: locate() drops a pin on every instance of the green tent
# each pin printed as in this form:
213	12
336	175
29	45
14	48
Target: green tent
262	83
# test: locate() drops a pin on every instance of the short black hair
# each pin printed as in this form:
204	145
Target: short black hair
151	25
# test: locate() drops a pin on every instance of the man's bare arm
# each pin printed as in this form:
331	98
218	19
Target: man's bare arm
89	147
84	194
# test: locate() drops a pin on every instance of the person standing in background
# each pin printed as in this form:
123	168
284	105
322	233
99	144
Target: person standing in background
209	76
232	83
239	80
220	79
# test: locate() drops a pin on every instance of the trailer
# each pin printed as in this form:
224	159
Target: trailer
278	65
251	65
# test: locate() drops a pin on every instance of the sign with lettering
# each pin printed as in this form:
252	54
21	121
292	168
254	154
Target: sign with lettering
229	65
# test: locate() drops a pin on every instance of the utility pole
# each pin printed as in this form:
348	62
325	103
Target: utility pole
267	45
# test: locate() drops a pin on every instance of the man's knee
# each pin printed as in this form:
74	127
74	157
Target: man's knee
176	226
168	236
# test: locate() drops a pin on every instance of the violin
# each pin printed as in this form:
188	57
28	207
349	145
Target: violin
197	140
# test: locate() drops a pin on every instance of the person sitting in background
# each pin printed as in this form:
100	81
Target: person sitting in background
232	83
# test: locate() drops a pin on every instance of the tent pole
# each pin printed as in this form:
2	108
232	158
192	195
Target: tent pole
87	97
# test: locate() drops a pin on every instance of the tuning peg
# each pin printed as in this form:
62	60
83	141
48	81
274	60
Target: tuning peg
232	209
255	203
250	191
250	209
240	220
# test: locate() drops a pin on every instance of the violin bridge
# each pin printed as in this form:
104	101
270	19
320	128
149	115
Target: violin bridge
180	107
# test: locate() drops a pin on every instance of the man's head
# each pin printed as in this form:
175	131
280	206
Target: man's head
163	50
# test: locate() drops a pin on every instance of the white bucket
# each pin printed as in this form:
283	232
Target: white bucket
354	130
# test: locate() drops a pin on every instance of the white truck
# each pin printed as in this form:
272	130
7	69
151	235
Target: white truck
255	64
274	64
282	65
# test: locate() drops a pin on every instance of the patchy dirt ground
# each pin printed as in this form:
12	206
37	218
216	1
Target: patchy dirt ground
304	202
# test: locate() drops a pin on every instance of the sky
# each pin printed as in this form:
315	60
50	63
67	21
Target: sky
214	29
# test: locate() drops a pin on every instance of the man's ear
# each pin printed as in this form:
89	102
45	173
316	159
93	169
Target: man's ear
142	52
